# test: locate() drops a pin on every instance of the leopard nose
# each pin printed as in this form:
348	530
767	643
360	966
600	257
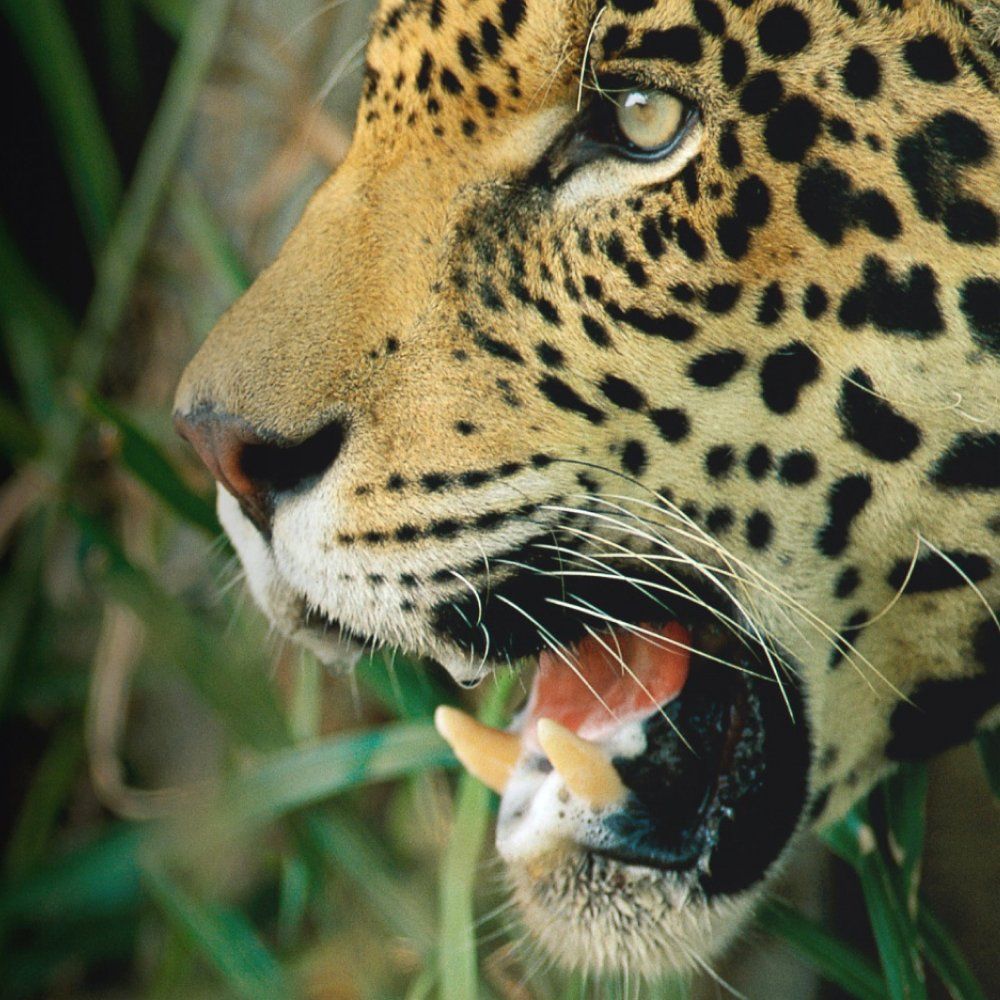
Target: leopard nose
257	468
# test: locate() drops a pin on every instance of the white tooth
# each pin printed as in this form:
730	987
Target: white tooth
581	764
488	754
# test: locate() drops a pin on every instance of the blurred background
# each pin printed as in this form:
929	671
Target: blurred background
189	807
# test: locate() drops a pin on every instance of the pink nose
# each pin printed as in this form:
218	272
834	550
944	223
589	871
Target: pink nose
254	468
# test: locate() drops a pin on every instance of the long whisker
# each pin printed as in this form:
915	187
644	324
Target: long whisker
559	649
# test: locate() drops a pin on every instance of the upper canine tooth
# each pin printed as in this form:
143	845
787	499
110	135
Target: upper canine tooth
488	754
581	764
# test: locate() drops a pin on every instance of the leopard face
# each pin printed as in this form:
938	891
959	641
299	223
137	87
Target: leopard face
654	343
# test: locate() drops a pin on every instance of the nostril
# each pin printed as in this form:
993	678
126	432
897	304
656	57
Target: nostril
281	467
255	468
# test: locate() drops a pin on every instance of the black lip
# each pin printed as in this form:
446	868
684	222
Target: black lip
725	803
519	614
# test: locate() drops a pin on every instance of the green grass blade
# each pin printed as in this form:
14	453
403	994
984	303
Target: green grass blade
24	296
147	462
97	880
895	934
47	794
290	779
46	38
19	593
457	965
200	229
345	843
171	15
18	437
223	938
945	957
835	961
293	899
904	796
118	22
988	743
119	263
403	686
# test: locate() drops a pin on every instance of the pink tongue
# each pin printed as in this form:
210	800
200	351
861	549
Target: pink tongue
600	695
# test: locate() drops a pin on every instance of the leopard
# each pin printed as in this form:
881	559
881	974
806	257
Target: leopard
650	348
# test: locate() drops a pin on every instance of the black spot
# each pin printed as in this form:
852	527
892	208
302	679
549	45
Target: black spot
771	305
797	468
730	152
714	370
862	74
734	63
622	393
980	302
932	161
719	461
671	326
614	39
783	31
424	73
723	297
651	238
846	499
465	428
450	82
943	713
690	241
759	530
487	98
829	205
753	201
784	375
733	236
511	15
673	425
468	53
489	37
904	306
847	582
681	44
710	17
972	462
634	458
566	398
841	130
814	302
595	330
933	572
872	423
762	93
848	630
930	59
967	220
719	520
499	348
759	461
550	355
632	6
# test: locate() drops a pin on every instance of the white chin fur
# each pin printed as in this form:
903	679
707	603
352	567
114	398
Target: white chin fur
282	605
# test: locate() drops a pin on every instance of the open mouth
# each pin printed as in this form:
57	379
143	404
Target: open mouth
668	746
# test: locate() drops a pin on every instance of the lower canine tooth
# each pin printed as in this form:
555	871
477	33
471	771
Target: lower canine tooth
488	754
582	765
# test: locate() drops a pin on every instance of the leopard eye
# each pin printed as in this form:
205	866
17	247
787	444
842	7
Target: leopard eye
649	120
637	123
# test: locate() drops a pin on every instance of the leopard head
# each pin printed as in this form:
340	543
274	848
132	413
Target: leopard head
654	344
